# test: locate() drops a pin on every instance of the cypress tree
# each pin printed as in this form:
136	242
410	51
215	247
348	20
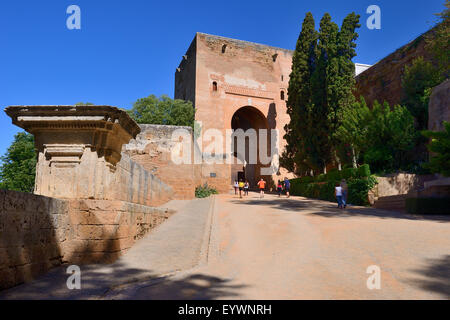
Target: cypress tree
323	83
295	157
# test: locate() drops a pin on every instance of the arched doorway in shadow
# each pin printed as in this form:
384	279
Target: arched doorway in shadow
250	120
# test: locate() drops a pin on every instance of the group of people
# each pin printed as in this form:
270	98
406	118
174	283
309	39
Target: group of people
285	185
340	190
241	186
341	193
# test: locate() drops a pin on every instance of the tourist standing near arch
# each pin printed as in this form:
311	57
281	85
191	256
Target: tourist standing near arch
338	194
246	187
279	188
241	187
236	187
287	186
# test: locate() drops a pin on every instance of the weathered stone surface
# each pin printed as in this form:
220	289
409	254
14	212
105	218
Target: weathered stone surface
439	106
383	81
39	233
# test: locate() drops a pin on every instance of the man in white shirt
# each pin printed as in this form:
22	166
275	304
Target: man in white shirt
338	194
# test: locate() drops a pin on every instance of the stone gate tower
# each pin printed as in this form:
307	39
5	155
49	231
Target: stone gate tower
235	84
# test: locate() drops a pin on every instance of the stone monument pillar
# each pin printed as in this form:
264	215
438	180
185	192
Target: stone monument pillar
78	147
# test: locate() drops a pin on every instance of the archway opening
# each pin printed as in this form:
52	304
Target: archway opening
246	141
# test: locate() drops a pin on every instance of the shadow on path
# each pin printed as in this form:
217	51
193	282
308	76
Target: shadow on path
118	283
190	287
435	276
330	210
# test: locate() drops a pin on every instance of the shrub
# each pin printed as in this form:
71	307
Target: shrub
428	205
359	182
364	171
349	173
358	190
204	191
334	175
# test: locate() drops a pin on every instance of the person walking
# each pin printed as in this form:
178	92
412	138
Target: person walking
246	187
287	186
261	186
279	188
241	187
236	187
338	194
344	187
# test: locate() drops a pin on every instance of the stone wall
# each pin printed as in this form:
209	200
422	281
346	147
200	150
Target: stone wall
439	107
38	233
400	183
32	230
383	81
152	149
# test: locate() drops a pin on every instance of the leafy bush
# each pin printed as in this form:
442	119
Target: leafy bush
440	146
358	190
204	191
359	182
428	205
349	173
363	171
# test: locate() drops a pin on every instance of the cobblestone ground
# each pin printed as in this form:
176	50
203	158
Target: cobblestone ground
278	248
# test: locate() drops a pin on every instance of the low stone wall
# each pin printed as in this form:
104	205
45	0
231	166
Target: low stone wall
103	230
401	183
38	233
152	149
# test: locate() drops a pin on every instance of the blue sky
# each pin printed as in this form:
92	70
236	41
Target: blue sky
126	50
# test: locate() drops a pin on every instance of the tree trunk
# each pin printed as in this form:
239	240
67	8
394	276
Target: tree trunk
354	158
338	161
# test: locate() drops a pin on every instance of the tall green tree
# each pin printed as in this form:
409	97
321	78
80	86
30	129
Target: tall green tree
324	85
295	157
164	110
352	132
418	81
438	41
18	168
342	82
320	88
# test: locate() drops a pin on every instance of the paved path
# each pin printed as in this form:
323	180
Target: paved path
297	248
177	244
271	248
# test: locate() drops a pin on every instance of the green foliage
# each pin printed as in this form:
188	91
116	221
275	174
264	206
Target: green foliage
164	110
204	191
417	82
381	136
390	135
352	132
18	169
295	157
428	205
320	88
359	182
440	146
438	41
349	173
84	104
358	189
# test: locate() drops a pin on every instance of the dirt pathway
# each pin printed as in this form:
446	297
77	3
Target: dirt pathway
297	248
